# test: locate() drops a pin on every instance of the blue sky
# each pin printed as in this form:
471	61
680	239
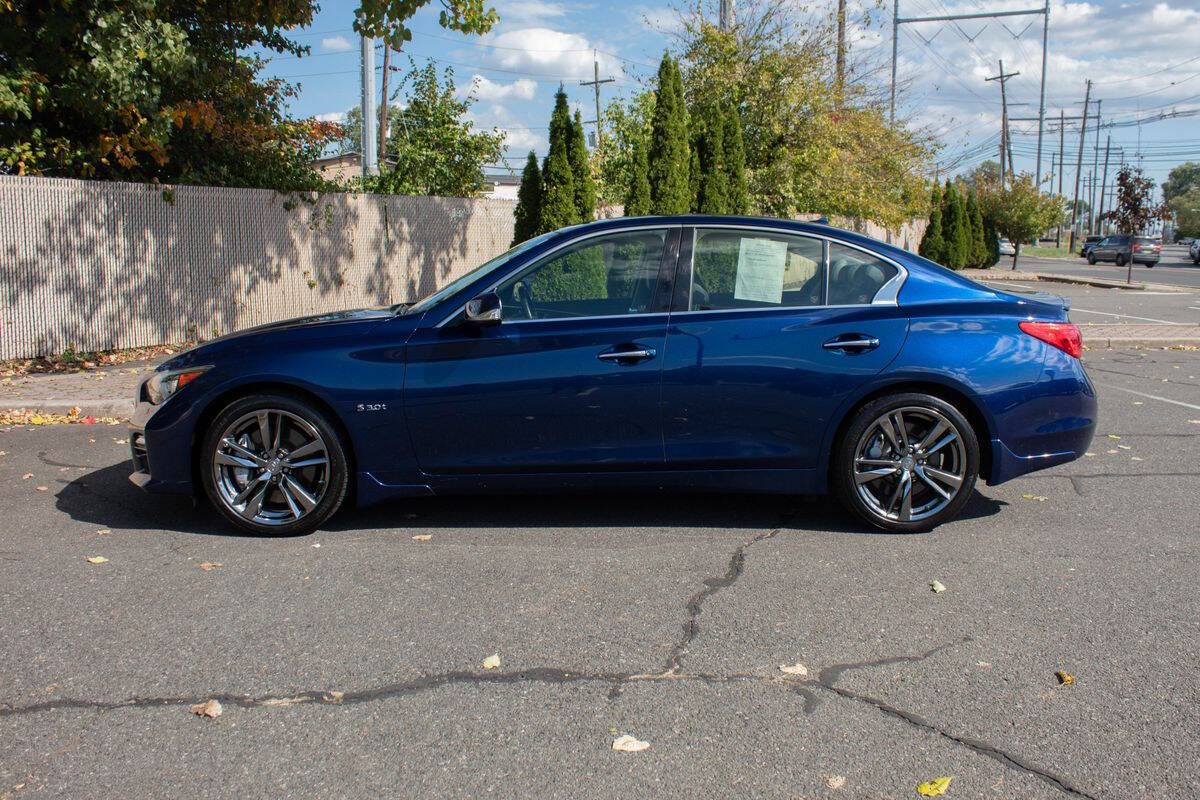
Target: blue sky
1142	58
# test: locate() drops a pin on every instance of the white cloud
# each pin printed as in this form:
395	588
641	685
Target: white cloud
484	89
336	44
332	116
523	11
550	52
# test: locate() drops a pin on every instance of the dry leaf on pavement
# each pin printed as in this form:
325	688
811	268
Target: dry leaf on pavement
937	586
43	488
97	560
1039	498
935	787
1064	678
103	532
793	669
835	781
333	696
422	537
211	709
629	744
208	566
27	476
492	661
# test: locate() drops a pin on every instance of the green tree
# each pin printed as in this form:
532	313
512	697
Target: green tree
1019	211
932	245
1181	180
735	163
991	240
559	207
149	90
626	124
1186	208
712	185
669	157
581	172
637	195
529	201
434	146
979	248
956	240
387	18
1133	209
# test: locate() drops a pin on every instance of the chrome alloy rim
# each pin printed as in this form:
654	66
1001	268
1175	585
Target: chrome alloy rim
909	464
271	467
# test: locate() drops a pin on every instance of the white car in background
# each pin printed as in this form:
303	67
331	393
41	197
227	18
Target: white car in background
1194	251
1006	248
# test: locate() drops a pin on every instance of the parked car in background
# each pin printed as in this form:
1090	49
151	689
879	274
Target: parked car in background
1006	248
697	353
1145	250
1088	244
1194	251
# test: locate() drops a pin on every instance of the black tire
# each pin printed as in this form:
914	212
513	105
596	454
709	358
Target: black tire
843	475
293	416
1091	258
1120	260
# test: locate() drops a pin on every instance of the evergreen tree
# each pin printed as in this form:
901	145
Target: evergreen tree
581	172
932	246
979	249
693	189
991	243
529	201
712	191
669	157
954	229
637	195
558	185
738	192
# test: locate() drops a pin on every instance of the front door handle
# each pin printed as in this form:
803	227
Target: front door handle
628	355
854	343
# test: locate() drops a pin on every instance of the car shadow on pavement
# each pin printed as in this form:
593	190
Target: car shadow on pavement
107	499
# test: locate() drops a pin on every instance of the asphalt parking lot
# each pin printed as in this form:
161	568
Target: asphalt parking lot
349	663
1174	267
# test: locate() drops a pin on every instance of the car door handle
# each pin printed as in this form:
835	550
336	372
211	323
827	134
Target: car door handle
628	355
857	344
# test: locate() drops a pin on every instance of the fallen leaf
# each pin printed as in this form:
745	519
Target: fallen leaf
74	411
984	664
88	420
1089	455
1135	458
97	560
1064	678
1194	421
1036	497
27	476
208	566
316	544
333	697
835	781
103	532
211	709
43	488
1113	436
422	537
937	587
2	453
793	669
629	744
935	787
1113	451
283	701
492	661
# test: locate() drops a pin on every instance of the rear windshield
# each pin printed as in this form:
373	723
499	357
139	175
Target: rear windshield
1146	240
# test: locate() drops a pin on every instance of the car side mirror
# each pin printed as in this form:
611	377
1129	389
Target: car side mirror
486	309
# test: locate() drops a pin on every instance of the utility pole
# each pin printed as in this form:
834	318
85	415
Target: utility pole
840	80
595	81
1043	12
727	17
1005	144
383	105
1103	182
1095	223
1061	122
1087	96
369	164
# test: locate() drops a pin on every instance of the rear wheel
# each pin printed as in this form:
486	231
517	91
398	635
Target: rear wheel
1091	258
274	465
1120	260
908	462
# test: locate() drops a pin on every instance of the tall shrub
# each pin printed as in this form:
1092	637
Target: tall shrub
932	246
735	163
637	194
581	172
559	207
669	159
529	201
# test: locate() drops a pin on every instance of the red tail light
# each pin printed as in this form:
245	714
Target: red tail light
1063	335
1136	247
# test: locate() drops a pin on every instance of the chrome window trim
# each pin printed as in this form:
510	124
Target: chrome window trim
887	295
554	250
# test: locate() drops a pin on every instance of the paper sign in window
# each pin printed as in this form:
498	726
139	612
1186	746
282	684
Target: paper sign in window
760	270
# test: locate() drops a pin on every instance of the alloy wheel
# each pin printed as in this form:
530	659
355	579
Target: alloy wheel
271	467
909	464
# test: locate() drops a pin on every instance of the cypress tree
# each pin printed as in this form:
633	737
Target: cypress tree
712	191
558	186
931	243
954	229
991	242
693	188
979	250
581	172
738	197
529	201
669	157
637	194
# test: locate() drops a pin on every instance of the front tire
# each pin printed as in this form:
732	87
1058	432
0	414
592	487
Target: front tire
1091	258
907	462
274	465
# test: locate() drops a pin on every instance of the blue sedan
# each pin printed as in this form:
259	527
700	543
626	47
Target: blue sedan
692	353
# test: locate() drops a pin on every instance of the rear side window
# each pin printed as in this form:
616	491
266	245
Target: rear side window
855	276
755	269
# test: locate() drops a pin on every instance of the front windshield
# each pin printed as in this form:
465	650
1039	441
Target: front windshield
431	300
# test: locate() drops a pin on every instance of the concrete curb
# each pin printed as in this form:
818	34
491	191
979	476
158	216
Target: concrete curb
1120	343
91	406
1078	280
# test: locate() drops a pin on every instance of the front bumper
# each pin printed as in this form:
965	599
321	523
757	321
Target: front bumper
155	455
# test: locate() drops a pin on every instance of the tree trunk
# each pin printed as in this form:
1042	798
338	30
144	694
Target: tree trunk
1016	253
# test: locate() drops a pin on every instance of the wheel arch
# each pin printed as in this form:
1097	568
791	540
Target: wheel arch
956	396
218	402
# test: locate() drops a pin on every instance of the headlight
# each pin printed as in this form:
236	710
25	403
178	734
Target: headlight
162	385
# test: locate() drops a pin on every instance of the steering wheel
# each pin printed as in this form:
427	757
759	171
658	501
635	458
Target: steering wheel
523	293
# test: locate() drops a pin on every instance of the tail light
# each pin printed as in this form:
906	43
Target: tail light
1136	247
1063	335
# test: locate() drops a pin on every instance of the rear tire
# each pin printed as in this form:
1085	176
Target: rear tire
1120	260
274	465
906	481
1091	258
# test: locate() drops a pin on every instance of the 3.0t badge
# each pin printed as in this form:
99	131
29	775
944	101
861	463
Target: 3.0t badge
371	407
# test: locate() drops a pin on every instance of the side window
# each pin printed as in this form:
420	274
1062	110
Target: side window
855	276
602	276
755	269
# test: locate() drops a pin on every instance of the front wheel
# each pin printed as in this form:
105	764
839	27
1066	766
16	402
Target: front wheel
907	462
1120	260
273	464
1091	258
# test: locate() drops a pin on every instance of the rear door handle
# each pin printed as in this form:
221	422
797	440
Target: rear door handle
628	355
853	342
